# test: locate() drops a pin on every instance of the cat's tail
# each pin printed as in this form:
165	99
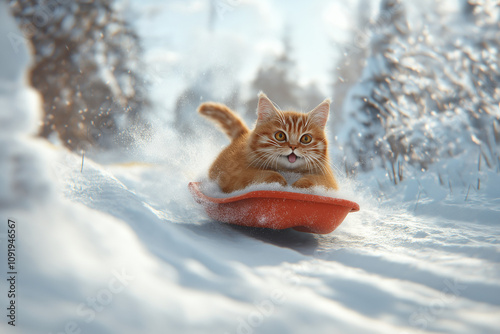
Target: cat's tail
225	118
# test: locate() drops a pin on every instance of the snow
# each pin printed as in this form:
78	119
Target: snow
123	248
211	188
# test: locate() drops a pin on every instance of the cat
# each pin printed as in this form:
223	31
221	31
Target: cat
282	141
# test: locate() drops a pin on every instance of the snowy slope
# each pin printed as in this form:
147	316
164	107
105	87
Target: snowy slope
385	270
124	249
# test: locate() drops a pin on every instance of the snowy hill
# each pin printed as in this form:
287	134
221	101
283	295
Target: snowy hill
122	248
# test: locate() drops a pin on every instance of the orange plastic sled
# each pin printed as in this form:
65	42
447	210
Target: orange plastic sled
277	210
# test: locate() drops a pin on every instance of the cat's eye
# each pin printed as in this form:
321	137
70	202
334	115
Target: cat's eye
306	139
280	136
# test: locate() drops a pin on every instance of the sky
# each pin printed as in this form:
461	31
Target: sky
179	45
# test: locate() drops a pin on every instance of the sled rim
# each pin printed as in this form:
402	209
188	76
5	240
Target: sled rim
275	194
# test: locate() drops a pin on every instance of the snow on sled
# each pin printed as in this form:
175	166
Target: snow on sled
277	210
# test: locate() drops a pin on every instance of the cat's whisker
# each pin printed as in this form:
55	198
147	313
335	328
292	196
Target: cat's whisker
256	160
273	143
309	163
273	160
268	163
260	161
336	168
281	117
269	140
321	162
306	124
266	160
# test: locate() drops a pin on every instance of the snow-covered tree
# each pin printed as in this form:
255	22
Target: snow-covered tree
86	68
427	92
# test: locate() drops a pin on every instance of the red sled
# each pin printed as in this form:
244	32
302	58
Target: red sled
277	210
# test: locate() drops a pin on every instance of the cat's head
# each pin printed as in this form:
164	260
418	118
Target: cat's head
288	140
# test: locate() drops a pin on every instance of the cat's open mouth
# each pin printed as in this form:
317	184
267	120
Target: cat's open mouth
290	162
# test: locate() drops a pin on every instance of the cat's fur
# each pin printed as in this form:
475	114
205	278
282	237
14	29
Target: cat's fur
258	156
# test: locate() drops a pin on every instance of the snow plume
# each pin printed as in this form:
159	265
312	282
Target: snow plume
187	153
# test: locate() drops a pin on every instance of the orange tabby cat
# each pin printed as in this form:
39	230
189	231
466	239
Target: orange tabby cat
282	141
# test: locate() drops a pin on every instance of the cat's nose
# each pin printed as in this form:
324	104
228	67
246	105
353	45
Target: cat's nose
293	147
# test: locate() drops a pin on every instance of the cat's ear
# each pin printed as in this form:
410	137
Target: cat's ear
265	108
319	115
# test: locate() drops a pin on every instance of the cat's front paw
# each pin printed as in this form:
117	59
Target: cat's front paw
303	183
275	178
